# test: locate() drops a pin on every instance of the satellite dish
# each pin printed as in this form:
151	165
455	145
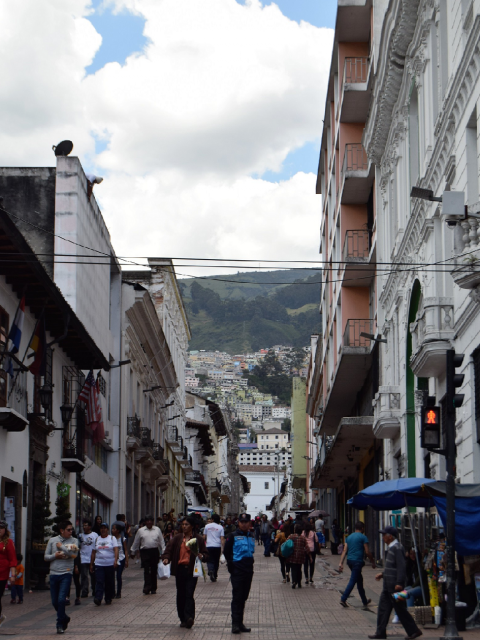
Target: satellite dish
64	148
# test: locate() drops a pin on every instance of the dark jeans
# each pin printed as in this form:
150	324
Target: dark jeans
284	566
311	564
59	588
356	578
150	559
118	572
186	585
2	589
241	583
76	581
85	577
385	605
214	554
296	572
105	583
266	543
17	591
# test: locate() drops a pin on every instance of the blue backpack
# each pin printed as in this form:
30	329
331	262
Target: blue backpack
287	548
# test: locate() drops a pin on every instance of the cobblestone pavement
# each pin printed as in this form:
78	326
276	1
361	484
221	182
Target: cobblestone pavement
274	610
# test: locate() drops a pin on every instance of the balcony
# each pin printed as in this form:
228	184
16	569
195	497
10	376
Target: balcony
144	452
432	332
158	451
356	176
353	364
341	455
358	268
73	458
356	90
466	273
193	476
386	413
134	433
172	439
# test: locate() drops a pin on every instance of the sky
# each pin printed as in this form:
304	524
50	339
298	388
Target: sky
202	116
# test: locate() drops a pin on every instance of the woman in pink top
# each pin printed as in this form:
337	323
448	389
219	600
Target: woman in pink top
309	535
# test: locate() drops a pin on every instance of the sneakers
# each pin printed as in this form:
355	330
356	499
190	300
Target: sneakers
365	606
288	577
3	617
60	630
395	619
344	604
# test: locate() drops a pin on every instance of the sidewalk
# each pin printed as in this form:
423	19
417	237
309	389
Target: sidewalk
274	610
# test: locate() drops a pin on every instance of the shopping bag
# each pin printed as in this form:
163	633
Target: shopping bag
197	568
163	571
222	559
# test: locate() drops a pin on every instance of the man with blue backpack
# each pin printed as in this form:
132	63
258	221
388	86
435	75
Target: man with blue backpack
238	551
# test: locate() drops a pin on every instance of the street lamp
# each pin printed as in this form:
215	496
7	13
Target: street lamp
67	413
45	393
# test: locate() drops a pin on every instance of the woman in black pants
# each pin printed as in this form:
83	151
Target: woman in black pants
183	560
312	544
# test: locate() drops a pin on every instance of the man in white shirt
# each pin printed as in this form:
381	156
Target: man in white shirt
319	525
87	544
215	536
149	541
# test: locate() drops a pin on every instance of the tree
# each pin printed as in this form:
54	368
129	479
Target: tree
62	504
287	425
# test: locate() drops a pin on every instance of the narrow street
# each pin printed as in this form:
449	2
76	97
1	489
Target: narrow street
274	611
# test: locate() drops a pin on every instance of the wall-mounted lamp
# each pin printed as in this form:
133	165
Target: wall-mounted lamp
67	413
45	393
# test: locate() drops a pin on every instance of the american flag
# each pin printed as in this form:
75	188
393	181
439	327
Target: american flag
89	399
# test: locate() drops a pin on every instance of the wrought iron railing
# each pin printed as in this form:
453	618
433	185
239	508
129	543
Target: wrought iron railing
355	70
185	453
133	427
158	451
193	476
172	434
180	441
352	336
146	437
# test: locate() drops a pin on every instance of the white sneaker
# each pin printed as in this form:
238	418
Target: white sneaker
3	617
395	619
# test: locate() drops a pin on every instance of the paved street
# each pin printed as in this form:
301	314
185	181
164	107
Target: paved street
274	610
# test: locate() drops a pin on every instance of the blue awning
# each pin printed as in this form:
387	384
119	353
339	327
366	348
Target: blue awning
390	494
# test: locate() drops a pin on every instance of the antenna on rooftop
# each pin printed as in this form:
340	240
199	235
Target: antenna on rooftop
63	148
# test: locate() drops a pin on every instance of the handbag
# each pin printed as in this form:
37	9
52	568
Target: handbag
163	571
287	548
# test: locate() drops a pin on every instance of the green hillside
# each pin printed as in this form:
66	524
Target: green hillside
235	318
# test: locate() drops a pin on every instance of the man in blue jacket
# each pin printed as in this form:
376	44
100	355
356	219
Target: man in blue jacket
238	551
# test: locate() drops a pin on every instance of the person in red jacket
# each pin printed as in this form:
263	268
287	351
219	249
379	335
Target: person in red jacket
8	563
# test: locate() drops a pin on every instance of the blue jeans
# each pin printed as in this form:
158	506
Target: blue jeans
266	543
17	590
104	583
59	590
118	572
356	578
413	592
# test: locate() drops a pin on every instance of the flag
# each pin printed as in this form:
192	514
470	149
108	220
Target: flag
89	399
15	336
39	345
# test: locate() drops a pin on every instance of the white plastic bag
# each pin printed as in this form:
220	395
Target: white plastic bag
197	569
163	571
222	559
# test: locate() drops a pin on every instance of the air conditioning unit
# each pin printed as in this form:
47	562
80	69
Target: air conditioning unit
107	433
108	441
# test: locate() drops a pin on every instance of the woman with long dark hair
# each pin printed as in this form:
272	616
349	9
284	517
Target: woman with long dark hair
281	537
168	532
97	524
182	557
312	543
8	562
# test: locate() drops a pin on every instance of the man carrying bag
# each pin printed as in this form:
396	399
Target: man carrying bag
149	541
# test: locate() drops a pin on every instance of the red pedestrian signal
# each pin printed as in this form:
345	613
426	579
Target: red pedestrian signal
431	433
432	416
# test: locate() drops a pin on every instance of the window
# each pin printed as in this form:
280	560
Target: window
472	158
267	485
276	437
476	375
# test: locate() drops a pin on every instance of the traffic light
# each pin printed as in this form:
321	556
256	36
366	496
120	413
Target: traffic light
454	380
430	437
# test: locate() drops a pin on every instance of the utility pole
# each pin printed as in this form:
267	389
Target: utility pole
453	402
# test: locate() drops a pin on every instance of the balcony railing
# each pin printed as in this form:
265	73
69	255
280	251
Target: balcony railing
185	453
146	437
133	427
357	244
352	336
193	476
355	70
158	451
355	158
172	434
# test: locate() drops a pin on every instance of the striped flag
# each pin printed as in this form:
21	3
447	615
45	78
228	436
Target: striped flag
89	399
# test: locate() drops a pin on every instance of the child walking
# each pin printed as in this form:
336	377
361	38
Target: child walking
16	589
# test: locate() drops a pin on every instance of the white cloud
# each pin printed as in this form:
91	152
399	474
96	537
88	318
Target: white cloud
221	92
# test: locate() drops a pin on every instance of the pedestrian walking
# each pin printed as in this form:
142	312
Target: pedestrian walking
118	533
168	532
229	527
97	524
149	543
300	553
61	552
238	551
394	577
104	562
16	589
266	529
8	563
280	538
256	528
181	556
215	541
336	531
87	543
356	547
312	544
